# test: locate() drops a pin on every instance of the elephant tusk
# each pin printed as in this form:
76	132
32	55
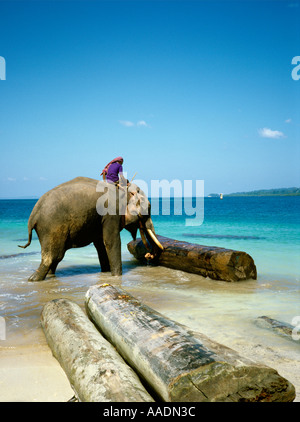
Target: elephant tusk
154	238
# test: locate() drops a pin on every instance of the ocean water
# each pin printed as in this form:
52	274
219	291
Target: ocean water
267	228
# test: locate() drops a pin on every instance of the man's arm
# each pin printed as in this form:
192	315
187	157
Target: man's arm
122	179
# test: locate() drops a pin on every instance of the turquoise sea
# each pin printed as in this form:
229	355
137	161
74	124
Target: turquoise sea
267	228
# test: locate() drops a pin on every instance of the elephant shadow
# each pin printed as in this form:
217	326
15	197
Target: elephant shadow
77	270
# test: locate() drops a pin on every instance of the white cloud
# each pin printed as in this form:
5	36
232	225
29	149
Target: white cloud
11	179
288	120
269	133
142	123
126	123
43	178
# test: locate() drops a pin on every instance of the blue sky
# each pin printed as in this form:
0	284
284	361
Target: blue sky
182	90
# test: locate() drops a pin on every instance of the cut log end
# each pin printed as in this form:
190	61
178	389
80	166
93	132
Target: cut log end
224	383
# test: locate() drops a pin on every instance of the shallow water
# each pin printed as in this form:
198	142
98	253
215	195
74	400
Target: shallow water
213	307
226	312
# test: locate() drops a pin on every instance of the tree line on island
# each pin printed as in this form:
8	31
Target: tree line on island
262	192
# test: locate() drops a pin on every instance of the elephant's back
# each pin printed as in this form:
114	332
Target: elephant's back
78	181
67	200
75	188
74	185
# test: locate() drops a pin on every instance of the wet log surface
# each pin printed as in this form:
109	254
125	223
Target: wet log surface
97	373
177	363
208	261
282	328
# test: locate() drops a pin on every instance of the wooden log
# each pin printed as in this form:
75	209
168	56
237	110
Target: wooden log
282	328
177	363
97	373
208	261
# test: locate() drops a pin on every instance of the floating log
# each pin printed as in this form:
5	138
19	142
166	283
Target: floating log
177	363
208	261
97	373
282	328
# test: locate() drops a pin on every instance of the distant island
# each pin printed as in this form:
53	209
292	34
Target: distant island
262	192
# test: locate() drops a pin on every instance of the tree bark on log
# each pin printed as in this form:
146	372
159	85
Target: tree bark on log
178	364
208	261
97	373
282	328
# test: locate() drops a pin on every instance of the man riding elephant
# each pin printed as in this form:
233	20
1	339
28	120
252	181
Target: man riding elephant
113	171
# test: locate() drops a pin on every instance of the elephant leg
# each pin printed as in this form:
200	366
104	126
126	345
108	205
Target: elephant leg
40	273
53	267
51	256
102	255
112	243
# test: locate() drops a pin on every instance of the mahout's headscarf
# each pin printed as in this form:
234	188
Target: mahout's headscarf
105	170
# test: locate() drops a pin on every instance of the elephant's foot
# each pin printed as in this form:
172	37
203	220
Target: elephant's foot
38	275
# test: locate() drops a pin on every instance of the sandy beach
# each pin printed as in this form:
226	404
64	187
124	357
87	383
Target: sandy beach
32	374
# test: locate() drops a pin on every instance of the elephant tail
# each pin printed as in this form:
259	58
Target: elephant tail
29	238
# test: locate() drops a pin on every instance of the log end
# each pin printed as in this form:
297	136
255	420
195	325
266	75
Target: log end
221	382
234	266
232	384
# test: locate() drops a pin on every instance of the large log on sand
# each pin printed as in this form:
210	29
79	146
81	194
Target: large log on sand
208	261
97	373
178	364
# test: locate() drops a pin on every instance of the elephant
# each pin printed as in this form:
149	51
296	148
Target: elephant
83	211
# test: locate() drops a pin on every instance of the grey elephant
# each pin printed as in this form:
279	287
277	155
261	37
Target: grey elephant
83	211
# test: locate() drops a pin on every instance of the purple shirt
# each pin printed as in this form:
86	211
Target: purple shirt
113	172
